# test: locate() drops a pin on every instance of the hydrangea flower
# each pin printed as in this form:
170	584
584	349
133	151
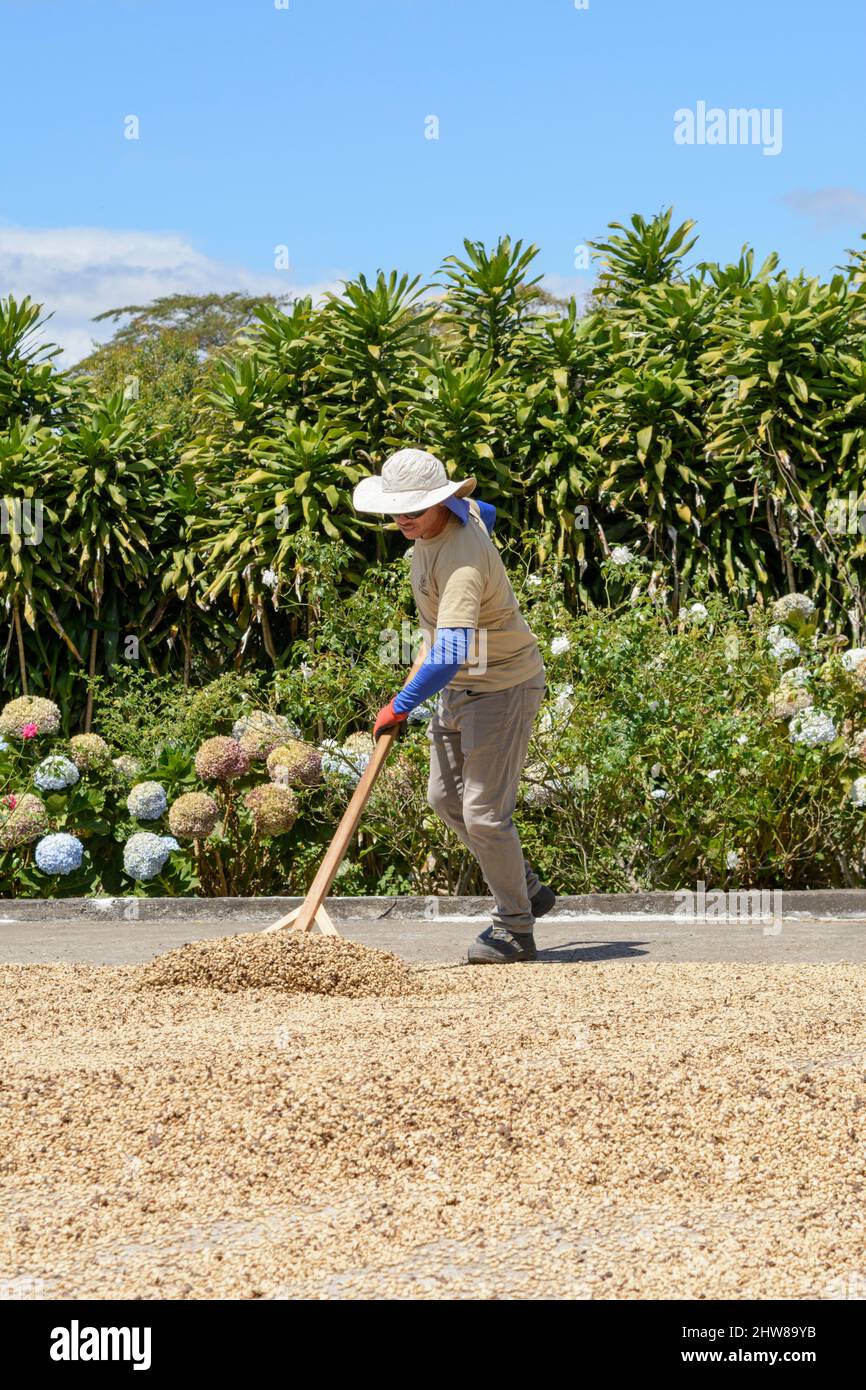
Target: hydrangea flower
785	702
421	713
295	763
260	732
852	659
793	607
127	766
4	745
147	801
193	816
560	645
22	819
621	555
658	794
360	743
786	651
812	728
348	762
857	794
145	854
29	710
274	809
698	613
55	773
394	784
89	751
857	747
534	581
775	634
221	760
59	854
797	675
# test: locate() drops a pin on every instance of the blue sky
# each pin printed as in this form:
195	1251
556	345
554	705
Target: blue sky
305	127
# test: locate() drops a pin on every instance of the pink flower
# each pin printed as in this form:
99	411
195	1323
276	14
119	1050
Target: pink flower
29	731
11	801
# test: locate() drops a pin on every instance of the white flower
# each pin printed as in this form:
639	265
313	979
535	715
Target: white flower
851	660
658	794
796	606
145	854
270	578
559	645
147	801
775	634
857	793
733	859
621	555
785	651
742	738
534	581
698	612
55	773
349	761
812	727
558	710
713	773
798	675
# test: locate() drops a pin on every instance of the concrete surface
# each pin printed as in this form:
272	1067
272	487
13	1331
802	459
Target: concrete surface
560	938
831	902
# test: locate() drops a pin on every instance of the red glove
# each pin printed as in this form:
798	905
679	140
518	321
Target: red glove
388	718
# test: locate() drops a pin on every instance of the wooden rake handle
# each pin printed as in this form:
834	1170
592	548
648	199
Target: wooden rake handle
303	918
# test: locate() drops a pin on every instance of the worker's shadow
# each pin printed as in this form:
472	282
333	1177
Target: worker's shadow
591	950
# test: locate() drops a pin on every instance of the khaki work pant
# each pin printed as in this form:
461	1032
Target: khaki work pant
478	743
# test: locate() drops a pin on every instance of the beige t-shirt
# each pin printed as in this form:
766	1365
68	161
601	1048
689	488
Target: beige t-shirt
459	580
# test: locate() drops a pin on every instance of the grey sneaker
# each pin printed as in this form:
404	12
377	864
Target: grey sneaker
499	946
543	901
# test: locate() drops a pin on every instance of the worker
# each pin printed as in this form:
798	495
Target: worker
483	662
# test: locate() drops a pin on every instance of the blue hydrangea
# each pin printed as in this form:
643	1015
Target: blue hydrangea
144	854
59	853
421	713
3	744
55	773
147	801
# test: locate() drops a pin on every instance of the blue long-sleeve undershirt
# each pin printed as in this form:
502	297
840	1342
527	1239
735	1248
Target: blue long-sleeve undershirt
451	646
448	653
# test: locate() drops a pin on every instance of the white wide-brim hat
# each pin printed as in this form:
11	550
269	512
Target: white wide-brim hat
411	481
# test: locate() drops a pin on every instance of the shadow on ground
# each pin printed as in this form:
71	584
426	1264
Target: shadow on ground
593	950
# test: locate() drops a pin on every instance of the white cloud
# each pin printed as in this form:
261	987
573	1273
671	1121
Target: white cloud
564	286
828	206
78	272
